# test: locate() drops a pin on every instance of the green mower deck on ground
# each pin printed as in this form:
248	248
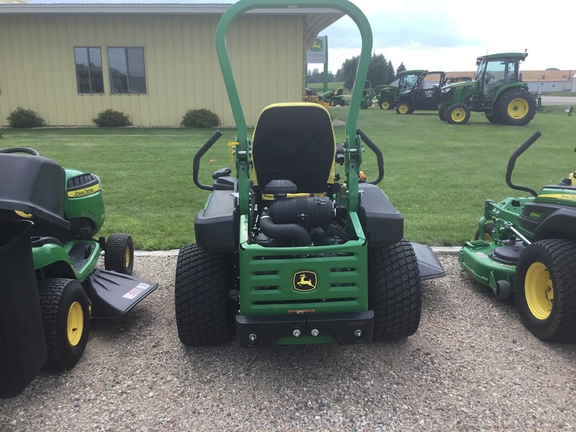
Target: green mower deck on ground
526	247
49	284
288	251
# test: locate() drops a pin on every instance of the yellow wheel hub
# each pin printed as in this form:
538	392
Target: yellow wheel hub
458	115
385	105
128	257
75	327
403	108
518	108
539	291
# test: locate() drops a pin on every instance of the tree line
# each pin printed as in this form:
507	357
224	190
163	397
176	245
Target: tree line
380	71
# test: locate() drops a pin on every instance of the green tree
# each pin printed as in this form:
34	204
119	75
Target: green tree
380	71
401	68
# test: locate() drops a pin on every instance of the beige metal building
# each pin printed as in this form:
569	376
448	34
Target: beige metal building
154	62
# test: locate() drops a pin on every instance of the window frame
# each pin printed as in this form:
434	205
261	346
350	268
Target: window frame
90	71
127	76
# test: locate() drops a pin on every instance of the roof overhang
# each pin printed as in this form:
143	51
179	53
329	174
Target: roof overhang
316	19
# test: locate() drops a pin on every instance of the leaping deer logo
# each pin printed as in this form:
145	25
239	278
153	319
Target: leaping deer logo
304	281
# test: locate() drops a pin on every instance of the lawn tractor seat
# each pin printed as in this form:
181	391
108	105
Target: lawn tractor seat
294	142
293	155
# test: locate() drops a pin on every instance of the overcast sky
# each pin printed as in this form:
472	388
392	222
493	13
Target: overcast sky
448	34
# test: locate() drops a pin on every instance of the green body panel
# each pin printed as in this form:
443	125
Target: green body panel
55	258
474	257
267	276
87	205
555	195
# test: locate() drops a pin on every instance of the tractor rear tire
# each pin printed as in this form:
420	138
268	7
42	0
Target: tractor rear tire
404	108
342	103
493	118
394	291
386	104
545	295
204	312
458	113
516	107
66	319
119	254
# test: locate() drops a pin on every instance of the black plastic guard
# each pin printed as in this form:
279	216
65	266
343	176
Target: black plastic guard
113	294
269	329
428	263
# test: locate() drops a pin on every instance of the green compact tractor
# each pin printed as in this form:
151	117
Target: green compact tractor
50	285
497	91
413	94
288	251
526	246
385	95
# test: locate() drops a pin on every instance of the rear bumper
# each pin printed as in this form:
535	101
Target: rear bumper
347	328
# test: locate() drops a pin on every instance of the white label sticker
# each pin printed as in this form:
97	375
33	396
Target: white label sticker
136	291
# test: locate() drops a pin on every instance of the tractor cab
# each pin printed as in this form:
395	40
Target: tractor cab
494	72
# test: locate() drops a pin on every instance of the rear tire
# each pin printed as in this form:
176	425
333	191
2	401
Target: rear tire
204	312
394	291
515	107
458	114
66	319
119	254
342	102
333	102
493	118
545	295
403	108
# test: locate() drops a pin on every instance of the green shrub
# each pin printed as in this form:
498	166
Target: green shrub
111	118
200	118
25	118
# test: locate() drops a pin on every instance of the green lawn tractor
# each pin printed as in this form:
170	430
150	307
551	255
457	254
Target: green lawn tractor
526	246
333	98
413	94
287	251
497	91
50	285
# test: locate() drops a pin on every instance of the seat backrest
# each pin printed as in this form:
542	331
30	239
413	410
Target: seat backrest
294	142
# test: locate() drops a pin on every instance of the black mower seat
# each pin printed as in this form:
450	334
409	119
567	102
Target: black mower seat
294	142
34	185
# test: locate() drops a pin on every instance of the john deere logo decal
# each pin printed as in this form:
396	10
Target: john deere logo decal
305	281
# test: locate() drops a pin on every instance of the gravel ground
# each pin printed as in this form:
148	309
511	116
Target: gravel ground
470	366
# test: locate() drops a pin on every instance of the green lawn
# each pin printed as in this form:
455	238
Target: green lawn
438	175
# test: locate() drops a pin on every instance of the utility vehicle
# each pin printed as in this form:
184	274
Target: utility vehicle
526	247
413	94
50	285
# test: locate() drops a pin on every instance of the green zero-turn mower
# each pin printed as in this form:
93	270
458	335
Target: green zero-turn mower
497	91
526	246
285	253
50	285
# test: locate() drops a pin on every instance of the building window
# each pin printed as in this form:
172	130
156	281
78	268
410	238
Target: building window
127	74
88	70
